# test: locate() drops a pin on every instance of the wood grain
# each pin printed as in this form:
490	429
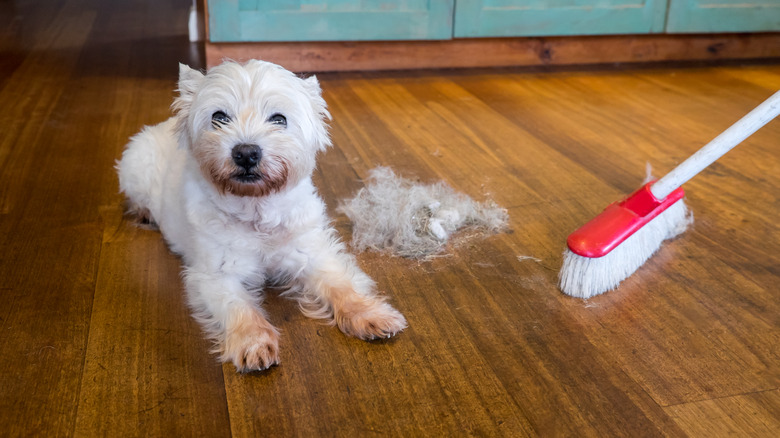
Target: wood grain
96	339
738	415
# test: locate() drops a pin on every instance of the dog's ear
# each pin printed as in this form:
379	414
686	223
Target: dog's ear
189	79
313	86
189	82
321	139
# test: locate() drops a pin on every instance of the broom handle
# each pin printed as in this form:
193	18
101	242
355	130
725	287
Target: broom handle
715	149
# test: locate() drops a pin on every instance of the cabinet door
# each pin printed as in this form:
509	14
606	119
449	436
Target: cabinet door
497	18
329	20
723	15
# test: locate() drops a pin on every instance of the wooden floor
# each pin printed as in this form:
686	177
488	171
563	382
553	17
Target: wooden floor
95	339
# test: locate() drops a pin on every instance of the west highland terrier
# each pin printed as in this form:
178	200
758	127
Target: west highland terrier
228	181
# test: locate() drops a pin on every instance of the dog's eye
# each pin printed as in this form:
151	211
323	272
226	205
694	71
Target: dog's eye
278	119
219	118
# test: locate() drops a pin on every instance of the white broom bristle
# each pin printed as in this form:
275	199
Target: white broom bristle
584	277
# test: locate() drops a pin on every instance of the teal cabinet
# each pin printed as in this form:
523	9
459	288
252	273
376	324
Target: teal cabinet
329	20
723	16
502	18
367	20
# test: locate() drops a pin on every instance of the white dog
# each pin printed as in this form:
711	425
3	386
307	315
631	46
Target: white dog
228	182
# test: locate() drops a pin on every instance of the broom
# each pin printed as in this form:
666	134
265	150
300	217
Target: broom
614	244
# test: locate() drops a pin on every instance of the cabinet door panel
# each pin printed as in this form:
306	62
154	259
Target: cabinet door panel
723	16
498	18
329	20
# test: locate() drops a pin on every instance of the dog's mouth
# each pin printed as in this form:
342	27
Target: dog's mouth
255	181
246	178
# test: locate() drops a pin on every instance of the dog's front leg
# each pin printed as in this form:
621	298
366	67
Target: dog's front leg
231	316
335	287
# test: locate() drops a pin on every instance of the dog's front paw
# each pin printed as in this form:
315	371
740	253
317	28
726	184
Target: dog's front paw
369	318
258	350
252	345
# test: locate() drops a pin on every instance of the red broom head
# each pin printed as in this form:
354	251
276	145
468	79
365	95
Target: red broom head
619	221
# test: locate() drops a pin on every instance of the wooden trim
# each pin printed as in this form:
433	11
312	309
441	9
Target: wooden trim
499	52
203	11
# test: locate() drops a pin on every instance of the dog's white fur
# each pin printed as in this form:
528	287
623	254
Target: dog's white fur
234	234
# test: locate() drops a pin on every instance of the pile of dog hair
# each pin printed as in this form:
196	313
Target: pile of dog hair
413	220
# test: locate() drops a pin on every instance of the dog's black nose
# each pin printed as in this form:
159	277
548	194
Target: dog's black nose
247	155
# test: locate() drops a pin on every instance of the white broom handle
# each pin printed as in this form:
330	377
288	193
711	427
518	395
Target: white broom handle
715	149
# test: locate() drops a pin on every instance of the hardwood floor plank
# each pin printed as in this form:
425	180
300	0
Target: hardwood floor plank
756	414
47	282
33	89
767	77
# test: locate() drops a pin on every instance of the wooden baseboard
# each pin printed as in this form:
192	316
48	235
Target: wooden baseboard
499	52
